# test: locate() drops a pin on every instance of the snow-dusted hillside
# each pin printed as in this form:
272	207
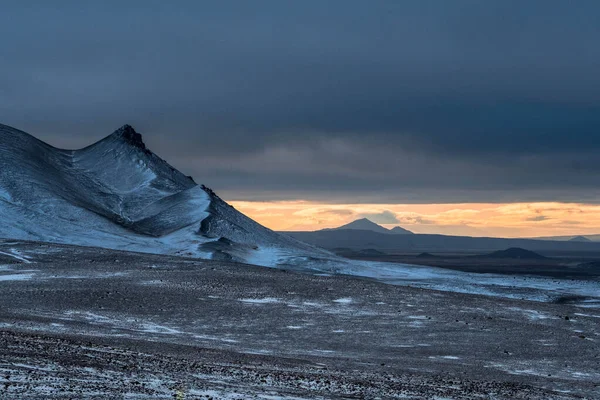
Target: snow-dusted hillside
117	194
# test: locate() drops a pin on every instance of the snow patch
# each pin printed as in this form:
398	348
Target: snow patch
17	256
265	300
344	300
587	315
15	277
532	315
155	328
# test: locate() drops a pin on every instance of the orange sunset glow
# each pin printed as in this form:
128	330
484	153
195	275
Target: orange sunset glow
476	219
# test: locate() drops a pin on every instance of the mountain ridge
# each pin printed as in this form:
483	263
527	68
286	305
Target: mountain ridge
579	239
116	193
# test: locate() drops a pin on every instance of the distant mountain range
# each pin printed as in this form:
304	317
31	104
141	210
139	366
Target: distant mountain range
365	224
355	239
366	234
577	238
514	253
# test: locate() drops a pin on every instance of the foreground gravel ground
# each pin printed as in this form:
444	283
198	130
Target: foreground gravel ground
93	323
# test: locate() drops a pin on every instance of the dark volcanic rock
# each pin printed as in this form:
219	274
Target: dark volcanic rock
370	252
515	252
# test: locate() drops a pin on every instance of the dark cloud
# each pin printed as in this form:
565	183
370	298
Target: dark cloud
538	218
431	101
570	222
341	212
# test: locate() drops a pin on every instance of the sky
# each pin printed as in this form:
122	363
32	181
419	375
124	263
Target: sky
465	219
427	108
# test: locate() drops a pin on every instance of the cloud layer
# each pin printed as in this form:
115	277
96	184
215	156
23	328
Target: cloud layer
347	101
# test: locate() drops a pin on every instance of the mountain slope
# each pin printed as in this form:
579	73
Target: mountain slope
579	239
117	194
362	224
365	224
398	230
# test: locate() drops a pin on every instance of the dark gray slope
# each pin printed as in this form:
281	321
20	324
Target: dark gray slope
362	224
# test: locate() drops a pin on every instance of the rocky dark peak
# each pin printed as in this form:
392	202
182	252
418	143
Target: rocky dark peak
129	135
210	192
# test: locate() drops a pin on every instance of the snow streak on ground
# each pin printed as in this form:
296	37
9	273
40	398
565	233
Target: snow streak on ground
519	287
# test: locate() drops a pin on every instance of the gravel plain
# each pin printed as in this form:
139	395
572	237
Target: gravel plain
81	322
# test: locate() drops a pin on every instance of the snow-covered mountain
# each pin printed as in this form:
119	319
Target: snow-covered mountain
118	194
